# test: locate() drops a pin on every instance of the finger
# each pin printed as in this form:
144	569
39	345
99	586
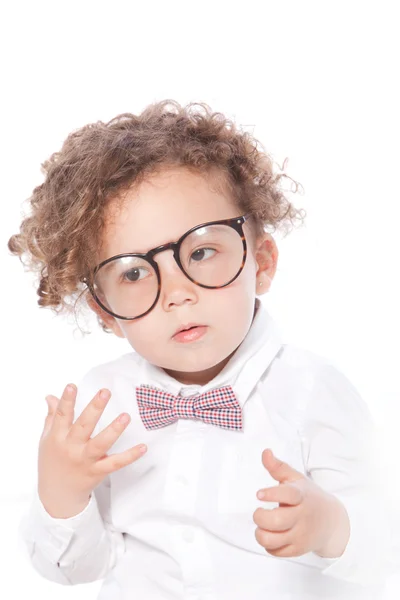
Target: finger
83	427
52	402
277	519
278	469
271	540
63	413
109	464
285	493
98	446
285	551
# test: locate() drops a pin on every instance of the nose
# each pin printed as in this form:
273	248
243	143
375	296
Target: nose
176	288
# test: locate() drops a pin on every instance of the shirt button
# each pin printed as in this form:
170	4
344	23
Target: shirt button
188	535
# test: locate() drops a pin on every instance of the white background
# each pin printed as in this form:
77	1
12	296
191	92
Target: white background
316	82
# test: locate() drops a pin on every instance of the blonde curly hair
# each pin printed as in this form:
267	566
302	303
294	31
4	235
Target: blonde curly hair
99	162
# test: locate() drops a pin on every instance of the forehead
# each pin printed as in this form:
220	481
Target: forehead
163	208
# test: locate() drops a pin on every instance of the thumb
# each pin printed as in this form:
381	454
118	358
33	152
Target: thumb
278	469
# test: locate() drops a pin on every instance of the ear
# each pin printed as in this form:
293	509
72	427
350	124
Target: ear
266	256
107	319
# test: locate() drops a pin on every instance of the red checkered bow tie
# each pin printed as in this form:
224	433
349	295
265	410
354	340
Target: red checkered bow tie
219	407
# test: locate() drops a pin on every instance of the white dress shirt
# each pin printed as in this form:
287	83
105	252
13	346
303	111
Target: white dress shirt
177	524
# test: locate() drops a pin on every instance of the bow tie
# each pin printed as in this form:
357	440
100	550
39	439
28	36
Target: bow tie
158	408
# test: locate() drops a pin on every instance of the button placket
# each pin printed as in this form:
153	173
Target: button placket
197	568
183	470
180	496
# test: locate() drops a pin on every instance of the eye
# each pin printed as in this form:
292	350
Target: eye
201	253
133	275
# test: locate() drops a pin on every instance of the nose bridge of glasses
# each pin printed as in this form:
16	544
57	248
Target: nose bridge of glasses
174	247
171	246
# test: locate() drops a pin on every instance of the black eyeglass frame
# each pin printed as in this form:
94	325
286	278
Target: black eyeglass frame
235	222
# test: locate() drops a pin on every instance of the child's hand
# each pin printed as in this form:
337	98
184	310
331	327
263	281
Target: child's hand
71	463
308	519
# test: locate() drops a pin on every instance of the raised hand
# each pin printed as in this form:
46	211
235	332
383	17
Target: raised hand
70	462
308	518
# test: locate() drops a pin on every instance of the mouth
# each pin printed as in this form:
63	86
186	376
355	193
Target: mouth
189	332
187	327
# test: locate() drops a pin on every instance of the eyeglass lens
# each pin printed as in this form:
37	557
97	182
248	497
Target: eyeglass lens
211	256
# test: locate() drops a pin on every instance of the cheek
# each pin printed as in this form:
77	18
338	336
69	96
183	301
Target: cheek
250	268
227	303
233	305
140	334
242	291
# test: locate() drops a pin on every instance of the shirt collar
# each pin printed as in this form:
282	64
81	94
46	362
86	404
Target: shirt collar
252	358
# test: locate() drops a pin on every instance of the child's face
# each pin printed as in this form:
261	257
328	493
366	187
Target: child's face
159	211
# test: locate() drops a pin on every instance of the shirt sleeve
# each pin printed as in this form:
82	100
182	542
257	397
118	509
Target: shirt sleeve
79	549
339	445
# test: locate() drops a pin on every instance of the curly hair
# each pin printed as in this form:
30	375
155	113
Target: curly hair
100	161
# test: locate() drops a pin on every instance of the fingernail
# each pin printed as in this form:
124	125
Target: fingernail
104	394
142	448
260	495
124	419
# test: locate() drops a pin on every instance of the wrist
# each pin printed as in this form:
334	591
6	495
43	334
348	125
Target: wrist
63	508
338	530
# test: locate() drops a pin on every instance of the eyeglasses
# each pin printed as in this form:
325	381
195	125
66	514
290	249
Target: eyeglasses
212	255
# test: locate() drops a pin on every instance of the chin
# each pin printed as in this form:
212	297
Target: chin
210	363
189	367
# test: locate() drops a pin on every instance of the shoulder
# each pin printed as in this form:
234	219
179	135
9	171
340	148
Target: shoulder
318	387
317	369
330	400
297	357
297	367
